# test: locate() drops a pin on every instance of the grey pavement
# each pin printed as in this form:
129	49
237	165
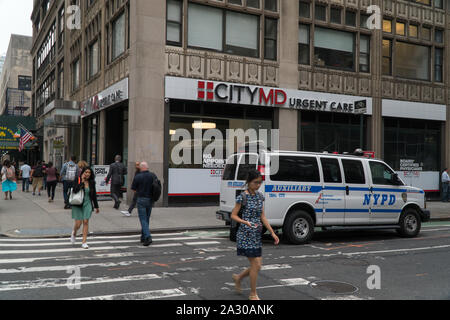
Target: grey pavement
33	216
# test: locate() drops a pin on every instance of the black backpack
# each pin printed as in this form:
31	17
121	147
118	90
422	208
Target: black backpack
38	172
156	188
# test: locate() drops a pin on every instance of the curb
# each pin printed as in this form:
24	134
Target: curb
115	233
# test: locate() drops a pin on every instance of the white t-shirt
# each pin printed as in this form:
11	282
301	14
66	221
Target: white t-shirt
26	169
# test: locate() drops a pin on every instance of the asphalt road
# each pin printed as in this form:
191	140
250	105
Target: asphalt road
199	265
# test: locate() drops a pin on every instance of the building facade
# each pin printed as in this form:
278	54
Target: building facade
15	78
319	71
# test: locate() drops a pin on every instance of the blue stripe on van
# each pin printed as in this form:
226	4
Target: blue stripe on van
386	210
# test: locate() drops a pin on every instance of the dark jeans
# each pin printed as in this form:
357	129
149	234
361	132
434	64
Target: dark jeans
445	187
25	184
51	187
133	203
66	186
145	210
116	193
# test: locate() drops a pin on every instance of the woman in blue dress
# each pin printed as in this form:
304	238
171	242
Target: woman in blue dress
249	234
81	214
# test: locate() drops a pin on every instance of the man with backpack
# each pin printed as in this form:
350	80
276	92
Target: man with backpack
68	173
148	189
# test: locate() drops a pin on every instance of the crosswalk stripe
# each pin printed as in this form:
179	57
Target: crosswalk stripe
90	237
63	282
201	243
145	295
67	242
282	283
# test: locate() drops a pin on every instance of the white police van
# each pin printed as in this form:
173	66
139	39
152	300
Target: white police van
322	190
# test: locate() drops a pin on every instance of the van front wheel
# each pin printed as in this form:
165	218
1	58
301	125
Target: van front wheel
409	223
298	227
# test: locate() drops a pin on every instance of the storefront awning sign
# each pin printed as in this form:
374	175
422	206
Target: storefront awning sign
243	94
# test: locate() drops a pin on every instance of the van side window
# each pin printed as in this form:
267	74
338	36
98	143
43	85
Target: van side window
353	171
248	162
230	168
331	170
291	168
381	174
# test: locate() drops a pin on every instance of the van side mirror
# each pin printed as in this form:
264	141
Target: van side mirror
396	179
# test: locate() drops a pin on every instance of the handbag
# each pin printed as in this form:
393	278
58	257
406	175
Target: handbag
76	198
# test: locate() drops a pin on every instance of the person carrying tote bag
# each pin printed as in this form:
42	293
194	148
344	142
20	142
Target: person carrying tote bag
85	184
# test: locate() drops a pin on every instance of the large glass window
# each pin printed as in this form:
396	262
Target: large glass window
387	25
409	139
301	169
412	61
332	132
334	49
228	31
303	44
118	36
242	34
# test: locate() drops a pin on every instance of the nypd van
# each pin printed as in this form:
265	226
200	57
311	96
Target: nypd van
305	190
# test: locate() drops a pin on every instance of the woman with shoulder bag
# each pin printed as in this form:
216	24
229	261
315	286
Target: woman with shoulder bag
8	174
85	184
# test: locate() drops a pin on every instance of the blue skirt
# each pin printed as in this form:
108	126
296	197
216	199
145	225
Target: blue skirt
9	186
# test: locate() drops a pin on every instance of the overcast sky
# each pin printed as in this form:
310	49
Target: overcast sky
14	18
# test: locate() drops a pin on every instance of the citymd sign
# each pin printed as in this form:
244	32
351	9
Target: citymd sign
212	91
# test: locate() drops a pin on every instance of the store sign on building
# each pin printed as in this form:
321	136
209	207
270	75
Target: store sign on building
109	97
212	91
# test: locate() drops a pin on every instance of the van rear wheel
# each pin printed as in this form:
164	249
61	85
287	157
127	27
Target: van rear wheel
298	227
409	223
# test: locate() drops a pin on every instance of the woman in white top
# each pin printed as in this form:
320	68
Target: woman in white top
8	179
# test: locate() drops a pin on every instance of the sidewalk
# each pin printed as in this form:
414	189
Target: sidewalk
33	216
28	216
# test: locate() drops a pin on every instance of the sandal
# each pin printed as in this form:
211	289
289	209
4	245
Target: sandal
254	297
237	283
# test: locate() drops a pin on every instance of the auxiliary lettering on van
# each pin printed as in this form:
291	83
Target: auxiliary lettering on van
292	188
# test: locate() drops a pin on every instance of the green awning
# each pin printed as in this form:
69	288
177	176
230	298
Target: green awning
9	126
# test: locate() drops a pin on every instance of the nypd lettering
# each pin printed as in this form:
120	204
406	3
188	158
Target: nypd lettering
379	199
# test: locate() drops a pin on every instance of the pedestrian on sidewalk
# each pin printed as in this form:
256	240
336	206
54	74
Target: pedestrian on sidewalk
445	179
116	174
69	172
249	233
44	178
81	214
37	174
134	202
143	187
25	171
81	165
52	181
8	174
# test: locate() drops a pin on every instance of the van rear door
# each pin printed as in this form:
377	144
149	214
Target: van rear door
228	184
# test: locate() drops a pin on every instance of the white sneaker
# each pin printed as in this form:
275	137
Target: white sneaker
72	239
85	246
126	213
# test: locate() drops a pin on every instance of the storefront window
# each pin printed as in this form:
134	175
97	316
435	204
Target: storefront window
91	140
332	132
190	115
408	139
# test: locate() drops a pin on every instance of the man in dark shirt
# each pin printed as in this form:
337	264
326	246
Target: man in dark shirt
116	174
143	186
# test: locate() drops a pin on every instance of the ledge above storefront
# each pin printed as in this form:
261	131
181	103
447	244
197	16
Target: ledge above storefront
60	114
